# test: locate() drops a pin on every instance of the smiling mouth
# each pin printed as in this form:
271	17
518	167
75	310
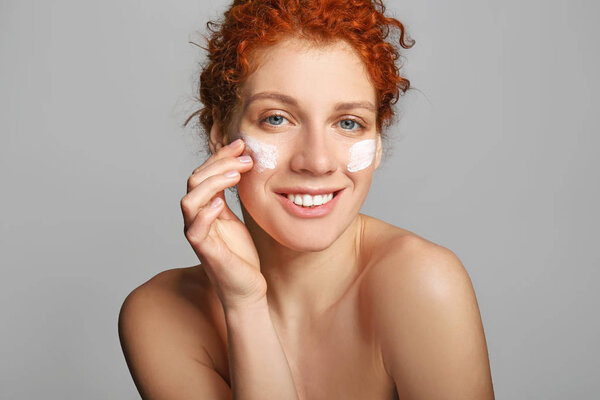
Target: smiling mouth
310	201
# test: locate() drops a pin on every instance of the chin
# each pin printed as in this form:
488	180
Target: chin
305	242
296	234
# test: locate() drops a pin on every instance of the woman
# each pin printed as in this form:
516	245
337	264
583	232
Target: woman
307	298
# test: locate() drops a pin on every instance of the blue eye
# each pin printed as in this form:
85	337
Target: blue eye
275	119
349	124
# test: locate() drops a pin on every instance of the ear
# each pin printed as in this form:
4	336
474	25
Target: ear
217	137
378	151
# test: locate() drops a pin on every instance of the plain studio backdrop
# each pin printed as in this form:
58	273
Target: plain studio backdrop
493	157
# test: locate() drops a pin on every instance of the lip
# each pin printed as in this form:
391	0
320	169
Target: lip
305	190
312	212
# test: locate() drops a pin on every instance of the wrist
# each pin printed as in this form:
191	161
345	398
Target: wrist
240	310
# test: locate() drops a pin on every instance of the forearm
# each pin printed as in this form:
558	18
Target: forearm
257	363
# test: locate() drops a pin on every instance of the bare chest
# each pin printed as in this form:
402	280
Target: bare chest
337	357
341	362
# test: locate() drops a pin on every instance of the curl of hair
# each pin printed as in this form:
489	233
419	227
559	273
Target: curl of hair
250	24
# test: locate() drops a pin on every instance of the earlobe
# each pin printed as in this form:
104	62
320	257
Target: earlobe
378	151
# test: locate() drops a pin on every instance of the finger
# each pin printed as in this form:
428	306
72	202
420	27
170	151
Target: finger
226	213
233	149
197	232
208	245
225	167
241	164
192	202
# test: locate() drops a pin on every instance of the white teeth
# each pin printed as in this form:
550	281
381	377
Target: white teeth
306	200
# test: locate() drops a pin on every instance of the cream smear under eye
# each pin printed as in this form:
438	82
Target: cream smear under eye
265	155
361	155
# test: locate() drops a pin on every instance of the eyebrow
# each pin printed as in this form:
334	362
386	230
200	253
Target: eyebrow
271	95
291	101
355	104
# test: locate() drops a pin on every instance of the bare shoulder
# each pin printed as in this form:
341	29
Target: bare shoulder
399	255
169	335
425	314
176	296
410	276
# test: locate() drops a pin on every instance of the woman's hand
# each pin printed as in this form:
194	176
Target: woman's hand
218	237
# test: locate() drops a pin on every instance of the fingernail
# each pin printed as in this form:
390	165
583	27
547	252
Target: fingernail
231	174
235	143
216	202
244	159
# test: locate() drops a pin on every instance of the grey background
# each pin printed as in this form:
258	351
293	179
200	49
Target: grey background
493	157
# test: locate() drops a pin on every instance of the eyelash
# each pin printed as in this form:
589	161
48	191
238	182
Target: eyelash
272	115
360	126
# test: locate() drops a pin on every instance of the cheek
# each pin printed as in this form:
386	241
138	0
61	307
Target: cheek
254	193
361	155
264	155
251	187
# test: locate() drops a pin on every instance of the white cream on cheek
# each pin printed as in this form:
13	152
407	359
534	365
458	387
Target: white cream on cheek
361	155
264	155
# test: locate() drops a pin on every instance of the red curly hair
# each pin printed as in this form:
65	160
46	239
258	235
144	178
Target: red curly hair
250	24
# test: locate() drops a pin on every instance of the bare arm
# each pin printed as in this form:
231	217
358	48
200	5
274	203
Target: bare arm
165	348
257	363
432	338
163	345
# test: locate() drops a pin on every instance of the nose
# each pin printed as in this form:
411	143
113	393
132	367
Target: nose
313	153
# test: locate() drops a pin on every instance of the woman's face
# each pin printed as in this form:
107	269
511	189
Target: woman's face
308	117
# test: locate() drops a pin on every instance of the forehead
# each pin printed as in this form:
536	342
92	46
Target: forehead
305	70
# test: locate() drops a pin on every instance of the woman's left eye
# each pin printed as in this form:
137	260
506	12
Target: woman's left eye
350	124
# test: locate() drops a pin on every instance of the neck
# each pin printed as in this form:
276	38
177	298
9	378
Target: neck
303	285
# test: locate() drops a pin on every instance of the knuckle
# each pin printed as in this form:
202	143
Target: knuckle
193	233
204	165
184	203
193	181
189	234
193	239
198	169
